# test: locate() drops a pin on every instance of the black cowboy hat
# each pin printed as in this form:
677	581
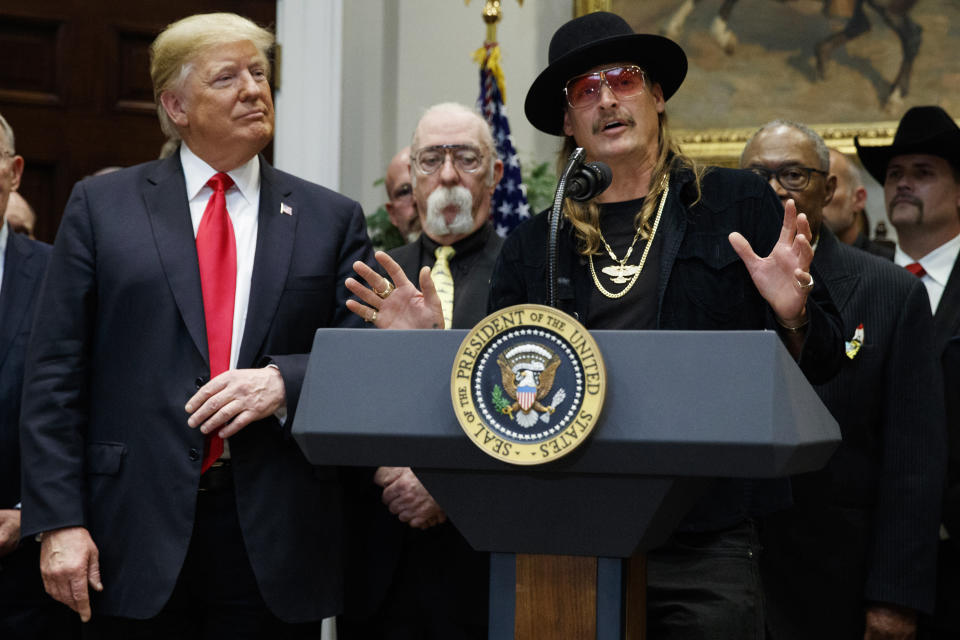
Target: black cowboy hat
594	39
928	130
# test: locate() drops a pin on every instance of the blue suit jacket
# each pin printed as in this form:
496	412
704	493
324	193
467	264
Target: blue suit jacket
23	268
104	433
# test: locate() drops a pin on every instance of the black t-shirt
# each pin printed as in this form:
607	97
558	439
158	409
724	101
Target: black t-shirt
638	308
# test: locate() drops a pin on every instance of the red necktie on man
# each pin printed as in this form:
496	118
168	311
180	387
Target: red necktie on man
916	269
217	255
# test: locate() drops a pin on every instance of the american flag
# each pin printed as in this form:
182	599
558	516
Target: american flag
509	204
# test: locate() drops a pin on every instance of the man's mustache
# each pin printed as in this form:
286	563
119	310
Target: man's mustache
908	199
602	121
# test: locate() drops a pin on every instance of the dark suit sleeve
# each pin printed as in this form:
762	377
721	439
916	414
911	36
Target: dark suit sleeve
902	558
951	382
55	395
354	245
24	265
822	354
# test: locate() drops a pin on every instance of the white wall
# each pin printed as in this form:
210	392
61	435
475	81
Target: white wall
307	141
401	56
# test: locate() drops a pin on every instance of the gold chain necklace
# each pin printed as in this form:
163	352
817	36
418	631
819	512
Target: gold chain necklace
622	269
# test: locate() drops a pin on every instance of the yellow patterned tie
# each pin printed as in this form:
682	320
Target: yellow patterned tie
443	281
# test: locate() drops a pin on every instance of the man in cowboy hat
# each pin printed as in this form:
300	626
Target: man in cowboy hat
857	550
920	174
669	246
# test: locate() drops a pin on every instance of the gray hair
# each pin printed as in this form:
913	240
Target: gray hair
7	134
486	135
823	153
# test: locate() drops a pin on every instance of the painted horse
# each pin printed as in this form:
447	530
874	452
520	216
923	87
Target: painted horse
896	13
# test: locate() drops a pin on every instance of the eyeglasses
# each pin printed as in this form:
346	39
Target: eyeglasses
790	177
584	90
466	158
7	154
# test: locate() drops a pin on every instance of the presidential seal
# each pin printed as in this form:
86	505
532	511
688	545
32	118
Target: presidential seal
528	384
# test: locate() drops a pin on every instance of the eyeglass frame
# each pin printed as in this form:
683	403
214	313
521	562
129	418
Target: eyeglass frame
603	81
448	151
7	153
808	172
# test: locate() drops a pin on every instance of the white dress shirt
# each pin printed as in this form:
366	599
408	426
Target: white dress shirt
938	264
243	203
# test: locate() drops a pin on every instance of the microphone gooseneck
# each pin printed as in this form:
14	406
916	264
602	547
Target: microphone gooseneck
581	182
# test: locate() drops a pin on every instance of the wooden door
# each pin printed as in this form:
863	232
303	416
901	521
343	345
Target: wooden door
75	87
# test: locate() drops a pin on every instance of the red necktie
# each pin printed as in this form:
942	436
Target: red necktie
217	255
916	269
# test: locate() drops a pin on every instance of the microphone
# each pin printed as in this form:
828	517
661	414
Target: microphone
590	180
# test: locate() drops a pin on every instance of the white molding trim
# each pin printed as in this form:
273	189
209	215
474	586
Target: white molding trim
308	102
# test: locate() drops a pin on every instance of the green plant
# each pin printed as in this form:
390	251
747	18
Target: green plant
500	401
383	234
541	183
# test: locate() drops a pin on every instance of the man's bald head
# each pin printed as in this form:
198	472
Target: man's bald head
400	205
843	212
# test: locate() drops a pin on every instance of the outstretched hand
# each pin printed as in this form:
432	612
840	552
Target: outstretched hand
404	307
783	277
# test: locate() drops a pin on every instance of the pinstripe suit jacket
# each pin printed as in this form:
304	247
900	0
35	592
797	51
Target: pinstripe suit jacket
946	336
864	528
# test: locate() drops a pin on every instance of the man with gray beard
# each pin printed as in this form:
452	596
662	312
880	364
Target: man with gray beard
422	579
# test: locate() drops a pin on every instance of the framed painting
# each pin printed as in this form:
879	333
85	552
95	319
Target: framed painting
845	67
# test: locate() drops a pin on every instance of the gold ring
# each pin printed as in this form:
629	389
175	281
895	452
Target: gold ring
387	290
806	287
373	317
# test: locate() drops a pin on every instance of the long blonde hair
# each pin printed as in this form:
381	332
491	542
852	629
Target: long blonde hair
585	216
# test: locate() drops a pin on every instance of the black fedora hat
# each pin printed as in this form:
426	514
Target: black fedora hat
593	39
928	130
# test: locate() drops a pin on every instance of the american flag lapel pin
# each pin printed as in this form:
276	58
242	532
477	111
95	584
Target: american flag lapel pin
286	209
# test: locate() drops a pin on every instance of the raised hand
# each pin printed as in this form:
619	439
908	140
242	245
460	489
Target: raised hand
783	277
396	305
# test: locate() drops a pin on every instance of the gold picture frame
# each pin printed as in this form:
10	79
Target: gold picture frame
723	147
858	73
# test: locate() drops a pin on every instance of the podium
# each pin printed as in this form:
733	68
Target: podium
682	408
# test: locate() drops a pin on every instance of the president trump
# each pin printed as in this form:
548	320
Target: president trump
163	375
